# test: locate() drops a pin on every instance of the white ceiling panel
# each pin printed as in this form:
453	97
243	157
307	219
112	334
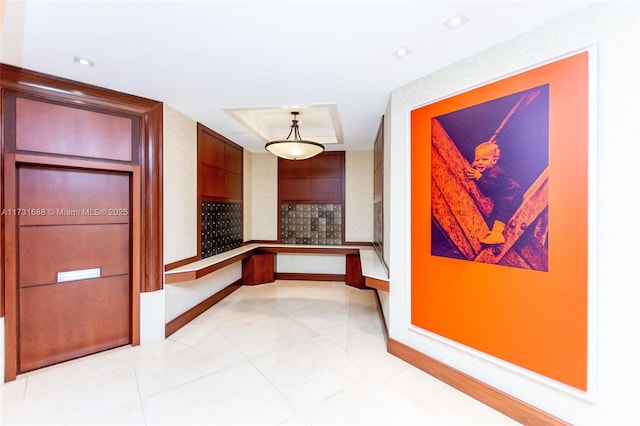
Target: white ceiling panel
211	60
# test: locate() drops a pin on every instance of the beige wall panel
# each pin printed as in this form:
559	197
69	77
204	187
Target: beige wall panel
359	196
247	201
264	200
180	186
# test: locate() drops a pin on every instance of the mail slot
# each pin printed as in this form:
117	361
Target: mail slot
79	274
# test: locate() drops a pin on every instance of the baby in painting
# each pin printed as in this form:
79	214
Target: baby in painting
495	183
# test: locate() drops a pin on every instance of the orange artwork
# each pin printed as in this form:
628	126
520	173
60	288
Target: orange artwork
499	228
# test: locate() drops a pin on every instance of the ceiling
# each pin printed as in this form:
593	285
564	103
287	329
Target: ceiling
239	67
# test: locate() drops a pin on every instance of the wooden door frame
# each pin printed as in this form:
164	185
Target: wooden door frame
13	162
146	192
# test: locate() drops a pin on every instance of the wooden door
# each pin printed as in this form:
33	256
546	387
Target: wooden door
72	220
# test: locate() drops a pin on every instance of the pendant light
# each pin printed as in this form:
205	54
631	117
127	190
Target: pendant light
296	148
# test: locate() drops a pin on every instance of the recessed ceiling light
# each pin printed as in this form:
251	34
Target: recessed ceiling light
456	22
83	61
402	52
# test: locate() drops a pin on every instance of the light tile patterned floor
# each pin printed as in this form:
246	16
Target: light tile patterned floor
288	353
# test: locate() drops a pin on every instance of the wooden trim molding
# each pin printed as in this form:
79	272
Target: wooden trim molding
309	277
61	89
11	271
135	255
182	320
152	228
508	405
181	262
72	162
309	250
192	275
376	283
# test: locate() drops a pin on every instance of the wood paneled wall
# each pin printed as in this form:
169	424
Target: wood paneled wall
219	167
104	108
317	180
103	136
220	170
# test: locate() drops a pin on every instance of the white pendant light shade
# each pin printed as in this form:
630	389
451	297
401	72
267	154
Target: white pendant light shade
293	150
296	148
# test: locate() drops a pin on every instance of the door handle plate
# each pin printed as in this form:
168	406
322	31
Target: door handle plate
79	274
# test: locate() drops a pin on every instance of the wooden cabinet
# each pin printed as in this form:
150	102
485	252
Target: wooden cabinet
219	167
353	276
259	268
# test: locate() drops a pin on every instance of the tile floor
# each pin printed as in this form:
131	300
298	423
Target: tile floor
288	353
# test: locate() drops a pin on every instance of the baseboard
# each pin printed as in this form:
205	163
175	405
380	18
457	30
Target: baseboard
506	404
182	320
309	277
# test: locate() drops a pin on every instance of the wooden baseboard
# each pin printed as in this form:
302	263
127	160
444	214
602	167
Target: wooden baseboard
182	320
506	404
512	407
309	277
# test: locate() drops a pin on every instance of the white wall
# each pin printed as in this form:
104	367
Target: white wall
12	48
182	296
614	28
311	264
152	316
